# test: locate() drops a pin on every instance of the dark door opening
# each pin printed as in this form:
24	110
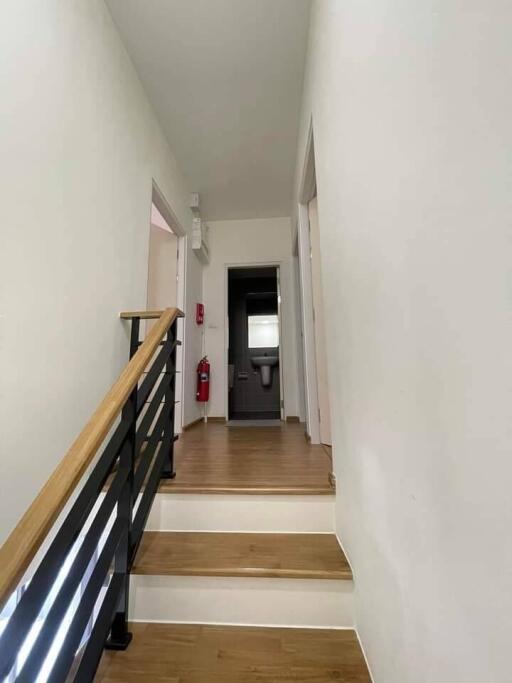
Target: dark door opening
253	354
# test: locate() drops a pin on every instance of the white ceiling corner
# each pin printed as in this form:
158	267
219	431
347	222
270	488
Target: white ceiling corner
225	79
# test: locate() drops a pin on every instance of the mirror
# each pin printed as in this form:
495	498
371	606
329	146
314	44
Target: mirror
263	331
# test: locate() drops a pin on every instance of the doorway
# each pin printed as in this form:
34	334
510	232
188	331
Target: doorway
319	325
166	278
316	377
162	264
254	362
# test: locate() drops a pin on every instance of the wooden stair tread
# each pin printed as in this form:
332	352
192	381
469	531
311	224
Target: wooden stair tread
179	653
307	556
174	486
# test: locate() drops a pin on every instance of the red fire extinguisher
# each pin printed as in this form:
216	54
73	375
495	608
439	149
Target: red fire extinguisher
203	380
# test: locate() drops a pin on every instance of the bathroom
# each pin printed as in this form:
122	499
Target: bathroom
253	348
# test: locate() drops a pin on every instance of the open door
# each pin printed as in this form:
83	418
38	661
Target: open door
279	322
319	326
162	264
166	278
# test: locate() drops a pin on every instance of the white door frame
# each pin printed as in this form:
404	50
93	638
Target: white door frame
300	334
165	209
307	191
227	266
279	318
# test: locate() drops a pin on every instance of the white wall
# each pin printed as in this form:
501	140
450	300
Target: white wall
248	242
411	106
79	147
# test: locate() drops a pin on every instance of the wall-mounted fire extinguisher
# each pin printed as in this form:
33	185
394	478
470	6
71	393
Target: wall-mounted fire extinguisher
203	380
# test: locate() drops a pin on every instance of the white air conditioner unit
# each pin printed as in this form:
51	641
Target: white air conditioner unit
194	203
200	240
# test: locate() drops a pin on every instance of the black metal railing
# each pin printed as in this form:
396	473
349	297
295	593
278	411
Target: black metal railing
101	534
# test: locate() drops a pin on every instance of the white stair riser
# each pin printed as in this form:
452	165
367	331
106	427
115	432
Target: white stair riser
205	512
243	601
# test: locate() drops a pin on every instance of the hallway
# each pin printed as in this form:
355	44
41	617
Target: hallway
214	458
350	164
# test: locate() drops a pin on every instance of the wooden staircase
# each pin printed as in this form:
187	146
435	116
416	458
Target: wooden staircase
239	576
223	568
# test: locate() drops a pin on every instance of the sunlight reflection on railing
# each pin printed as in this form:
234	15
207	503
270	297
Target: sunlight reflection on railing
58	641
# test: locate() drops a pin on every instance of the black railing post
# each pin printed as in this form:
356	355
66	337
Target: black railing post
120	637
134	336
168	471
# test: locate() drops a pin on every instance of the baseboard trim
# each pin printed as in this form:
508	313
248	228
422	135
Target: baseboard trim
292	418
346	554
245	625
364	654
188	426
216	419
328	450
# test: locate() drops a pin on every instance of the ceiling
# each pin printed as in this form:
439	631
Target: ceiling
225	79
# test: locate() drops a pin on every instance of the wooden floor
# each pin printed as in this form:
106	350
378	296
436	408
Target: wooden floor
169	653
314	556
214	458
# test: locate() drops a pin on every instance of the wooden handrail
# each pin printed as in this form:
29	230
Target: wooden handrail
143	315
21	546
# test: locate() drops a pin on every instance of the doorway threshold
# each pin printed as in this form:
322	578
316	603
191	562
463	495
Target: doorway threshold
253	423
